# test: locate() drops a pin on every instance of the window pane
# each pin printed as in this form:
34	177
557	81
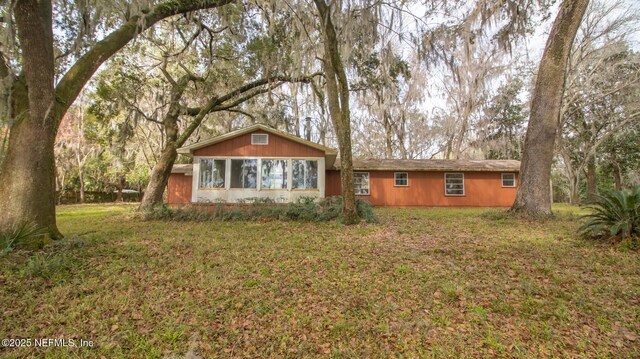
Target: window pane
508	180
401	179
211	173
274	174
361	183
244	173
454	184
305	174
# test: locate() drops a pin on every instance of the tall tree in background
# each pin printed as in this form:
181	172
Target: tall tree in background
338	96
27	174
600	97
501	131
384	85
533	195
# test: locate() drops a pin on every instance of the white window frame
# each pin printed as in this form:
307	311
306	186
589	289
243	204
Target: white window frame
514	179
290	184
255	135
369	181
288	173
226	171
258	174
445	184
395	179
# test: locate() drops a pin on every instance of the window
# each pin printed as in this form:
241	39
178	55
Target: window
244	173
305	174
454	184
259	139
508	180
361	182
211	173
274	174
401	179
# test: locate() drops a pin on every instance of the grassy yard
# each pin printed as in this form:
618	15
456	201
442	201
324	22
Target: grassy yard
421	283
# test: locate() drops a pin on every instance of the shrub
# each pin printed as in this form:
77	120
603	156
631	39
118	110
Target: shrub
158	212
303	209
365	211
20	235
616	214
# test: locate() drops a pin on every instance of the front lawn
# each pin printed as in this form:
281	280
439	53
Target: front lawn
420	283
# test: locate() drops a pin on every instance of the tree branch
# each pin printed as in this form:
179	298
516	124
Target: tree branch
194	111
74	80
242	113
216	104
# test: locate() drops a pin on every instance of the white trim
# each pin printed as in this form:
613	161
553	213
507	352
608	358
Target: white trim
289	174
445	184
259	173
354	182
255	135
228	174
502	179
395	183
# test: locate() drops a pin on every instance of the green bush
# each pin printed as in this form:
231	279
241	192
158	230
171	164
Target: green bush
20	235
615	214
304	209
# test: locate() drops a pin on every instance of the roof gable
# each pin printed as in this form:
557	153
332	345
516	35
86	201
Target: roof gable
189	150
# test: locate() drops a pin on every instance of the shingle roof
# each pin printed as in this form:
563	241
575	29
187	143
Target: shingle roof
413	165
435	165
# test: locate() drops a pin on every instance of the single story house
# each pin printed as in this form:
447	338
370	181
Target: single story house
262	162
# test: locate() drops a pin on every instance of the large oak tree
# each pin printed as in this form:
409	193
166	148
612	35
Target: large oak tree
37	104
533	194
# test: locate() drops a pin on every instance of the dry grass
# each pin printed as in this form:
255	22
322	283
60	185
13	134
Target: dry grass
421	283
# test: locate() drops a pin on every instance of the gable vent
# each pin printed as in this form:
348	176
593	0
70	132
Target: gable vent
259	139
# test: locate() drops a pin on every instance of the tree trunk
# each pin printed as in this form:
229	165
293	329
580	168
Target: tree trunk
617	176
162	169
574	193
532	195
338	96
28	191
591	179
296	109
159	178
457	149
119	187
27	176
81	179
307	128
388	134
401	137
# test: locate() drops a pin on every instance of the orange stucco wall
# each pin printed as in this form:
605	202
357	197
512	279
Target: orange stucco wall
179	189
482	189
277	147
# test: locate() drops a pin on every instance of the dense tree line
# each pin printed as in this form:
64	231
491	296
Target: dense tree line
373	79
